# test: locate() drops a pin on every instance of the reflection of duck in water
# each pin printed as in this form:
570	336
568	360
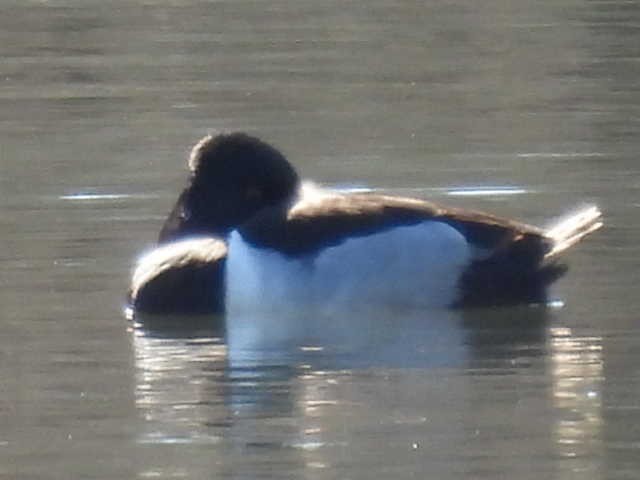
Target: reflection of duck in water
319	405
246	233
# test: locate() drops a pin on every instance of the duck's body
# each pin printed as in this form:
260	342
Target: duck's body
289	243
415	265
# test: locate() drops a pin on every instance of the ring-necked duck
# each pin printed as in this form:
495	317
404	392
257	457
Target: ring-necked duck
246	233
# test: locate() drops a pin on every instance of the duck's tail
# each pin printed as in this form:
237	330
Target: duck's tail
522	272
570	229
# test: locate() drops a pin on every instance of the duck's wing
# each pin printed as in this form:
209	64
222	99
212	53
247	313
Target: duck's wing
329	219
513	262
184	276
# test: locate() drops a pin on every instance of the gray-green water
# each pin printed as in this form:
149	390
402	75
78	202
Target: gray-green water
99	104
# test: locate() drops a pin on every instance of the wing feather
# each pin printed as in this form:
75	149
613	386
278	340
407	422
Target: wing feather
315	222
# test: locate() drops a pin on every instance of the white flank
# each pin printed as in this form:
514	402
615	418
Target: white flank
407	266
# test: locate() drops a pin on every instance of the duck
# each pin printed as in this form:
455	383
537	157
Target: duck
247	233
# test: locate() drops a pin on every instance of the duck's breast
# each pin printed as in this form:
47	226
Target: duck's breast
418	266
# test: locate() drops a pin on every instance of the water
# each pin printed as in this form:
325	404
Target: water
523	108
